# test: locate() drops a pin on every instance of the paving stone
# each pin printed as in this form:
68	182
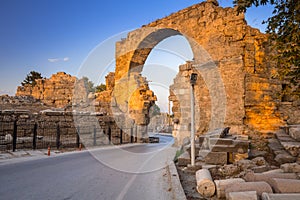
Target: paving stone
248	195
267	196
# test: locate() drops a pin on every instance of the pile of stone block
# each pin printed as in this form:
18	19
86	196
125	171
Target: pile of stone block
242	178
286	145
216	148
219	147
280	184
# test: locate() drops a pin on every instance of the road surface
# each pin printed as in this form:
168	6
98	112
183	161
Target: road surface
135	172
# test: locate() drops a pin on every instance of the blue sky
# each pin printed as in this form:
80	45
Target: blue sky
57	35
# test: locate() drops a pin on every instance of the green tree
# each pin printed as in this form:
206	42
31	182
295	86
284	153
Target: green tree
89	85
154	110
100	88
31	78
284	30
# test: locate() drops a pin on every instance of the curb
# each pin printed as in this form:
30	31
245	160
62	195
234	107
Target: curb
177	189
43	155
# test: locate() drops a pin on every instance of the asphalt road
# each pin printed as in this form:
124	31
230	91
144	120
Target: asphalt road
135	172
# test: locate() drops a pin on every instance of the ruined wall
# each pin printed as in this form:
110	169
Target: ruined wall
93	129
57	91
231	60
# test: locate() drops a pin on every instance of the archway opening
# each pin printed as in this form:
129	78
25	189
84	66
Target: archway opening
160	68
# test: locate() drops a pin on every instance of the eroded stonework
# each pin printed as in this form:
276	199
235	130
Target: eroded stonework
235	86
57	91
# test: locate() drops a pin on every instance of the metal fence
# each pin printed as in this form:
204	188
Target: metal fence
23	135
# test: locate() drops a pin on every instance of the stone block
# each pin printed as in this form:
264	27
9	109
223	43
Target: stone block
239	148
248	195
236	157
290	168
274	145
259	187
284	158
216	158
292	147
221	185
285	185
267	196
294	132
266	177
261	169
259	161
220	141
273	171
184	159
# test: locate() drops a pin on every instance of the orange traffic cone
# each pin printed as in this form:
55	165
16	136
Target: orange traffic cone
48	150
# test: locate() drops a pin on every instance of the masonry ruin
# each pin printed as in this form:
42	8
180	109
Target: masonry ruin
235	87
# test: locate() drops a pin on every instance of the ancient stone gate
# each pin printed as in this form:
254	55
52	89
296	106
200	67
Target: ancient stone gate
235	87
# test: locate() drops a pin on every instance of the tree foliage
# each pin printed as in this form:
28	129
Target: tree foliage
284	29
100	88
31	78
89	85
154	110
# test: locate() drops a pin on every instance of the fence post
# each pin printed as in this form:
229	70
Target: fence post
94	136
77	137
136	133
57	136
121	136
109	135
131	135
34	136
15	136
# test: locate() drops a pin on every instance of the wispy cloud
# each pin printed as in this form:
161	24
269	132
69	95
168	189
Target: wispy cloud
53	60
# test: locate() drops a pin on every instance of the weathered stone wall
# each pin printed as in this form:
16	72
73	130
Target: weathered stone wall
235	86
69	123
57	91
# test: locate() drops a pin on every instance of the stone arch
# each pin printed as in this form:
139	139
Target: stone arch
133	52
228	55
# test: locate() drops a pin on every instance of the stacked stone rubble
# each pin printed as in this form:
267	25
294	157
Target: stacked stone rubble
57	91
